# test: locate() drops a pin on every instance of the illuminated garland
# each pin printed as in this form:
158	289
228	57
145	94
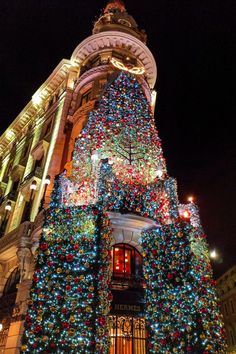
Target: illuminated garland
182	313
118	166
70	297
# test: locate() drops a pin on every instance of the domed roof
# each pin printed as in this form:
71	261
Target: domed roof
115	17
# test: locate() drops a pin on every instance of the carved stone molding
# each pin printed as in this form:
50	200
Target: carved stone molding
17	172
114	39
127	228
39	149
25	260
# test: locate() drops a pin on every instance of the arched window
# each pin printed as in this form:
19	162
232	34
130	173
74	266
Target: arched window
12	281
126	261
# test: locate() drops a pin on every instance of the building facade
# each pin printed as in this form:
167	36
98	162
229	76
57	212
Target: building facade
40	144
226	286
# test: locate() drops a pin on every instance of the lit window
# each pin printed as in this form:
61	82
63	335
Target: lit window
127	335
126	261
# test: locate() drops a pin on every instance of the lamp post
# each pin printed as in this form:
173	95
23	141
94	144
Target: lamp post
33	187
5	219
46	184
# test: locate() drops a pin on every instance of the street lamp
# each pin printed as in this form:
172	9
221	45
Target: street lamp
5	219
190	199
213	254
33	188
46	184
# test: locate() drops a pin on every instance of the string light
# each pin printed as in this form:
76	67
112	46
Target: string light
70	296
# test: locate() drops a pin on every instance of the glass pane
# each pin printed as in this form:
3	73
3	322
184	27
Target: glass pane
118	261
127	264
127	335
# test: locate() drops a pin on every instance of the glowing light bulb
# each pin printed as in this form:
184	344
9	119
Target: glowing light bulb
186	214
190	199
159	173
213	254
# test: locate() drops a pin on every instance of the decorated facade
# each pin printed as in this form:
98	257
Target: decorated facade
120	265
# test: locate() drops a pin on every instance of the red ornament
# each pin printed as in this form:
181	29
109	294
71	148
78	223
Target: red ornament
68	288
69	257
43	246
37	329
170	276
65	325
102	321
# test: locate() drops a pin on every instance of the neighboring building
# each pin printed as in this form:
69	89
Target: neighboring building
39	144
226	286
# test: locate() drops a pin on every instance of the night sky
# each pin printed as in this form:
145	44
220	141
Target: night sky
194	44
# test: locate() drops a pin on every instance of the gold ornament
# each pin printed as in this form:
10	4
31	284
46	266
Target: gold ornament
72	319
71	332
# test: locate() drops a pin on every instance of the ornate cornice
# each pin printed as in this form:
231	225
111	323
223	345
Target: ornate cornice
117	40
28	114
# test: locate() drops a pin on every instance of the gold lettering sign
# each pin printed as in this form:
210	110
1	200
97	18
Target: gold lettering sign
123	307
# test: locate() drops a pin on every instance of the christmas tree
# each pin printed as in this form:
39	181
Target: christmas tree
118	166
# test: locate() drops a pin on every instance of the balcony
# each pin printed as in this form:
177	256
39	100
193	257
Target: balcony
12	196
35	175
41	147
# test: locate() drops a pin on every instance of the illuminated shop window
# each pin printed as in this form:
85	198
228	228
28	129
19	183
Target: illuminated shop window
126	261
127	335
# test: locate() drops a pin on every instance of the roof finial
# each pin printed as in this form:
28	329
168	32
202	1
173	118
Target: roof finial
114	5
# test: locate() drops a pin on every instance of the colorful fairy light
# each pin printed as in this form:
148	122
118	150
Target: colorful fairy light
118	166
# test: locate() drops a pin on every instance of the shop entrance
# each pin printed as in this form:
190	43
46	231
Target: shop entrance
127	335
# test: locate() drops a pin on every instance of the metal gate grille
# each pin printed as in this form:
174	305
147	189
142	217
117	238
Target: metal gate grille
127	335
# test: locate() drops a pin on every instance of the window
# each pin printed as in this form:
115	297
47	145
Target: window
127	335
86	97
12	281
126	261
48	128
231	337
7	171
232	306
226	309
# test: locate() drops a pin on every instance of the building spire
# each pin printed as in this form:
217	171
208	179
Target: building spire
115	5
116	18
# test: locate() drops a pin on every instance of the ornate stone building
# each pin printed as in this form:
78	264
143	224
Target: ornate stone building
38	145
226	286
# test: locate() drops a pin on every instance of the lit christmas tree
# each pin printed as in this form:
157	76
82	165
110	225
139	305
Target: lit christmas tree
70	298
118	166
